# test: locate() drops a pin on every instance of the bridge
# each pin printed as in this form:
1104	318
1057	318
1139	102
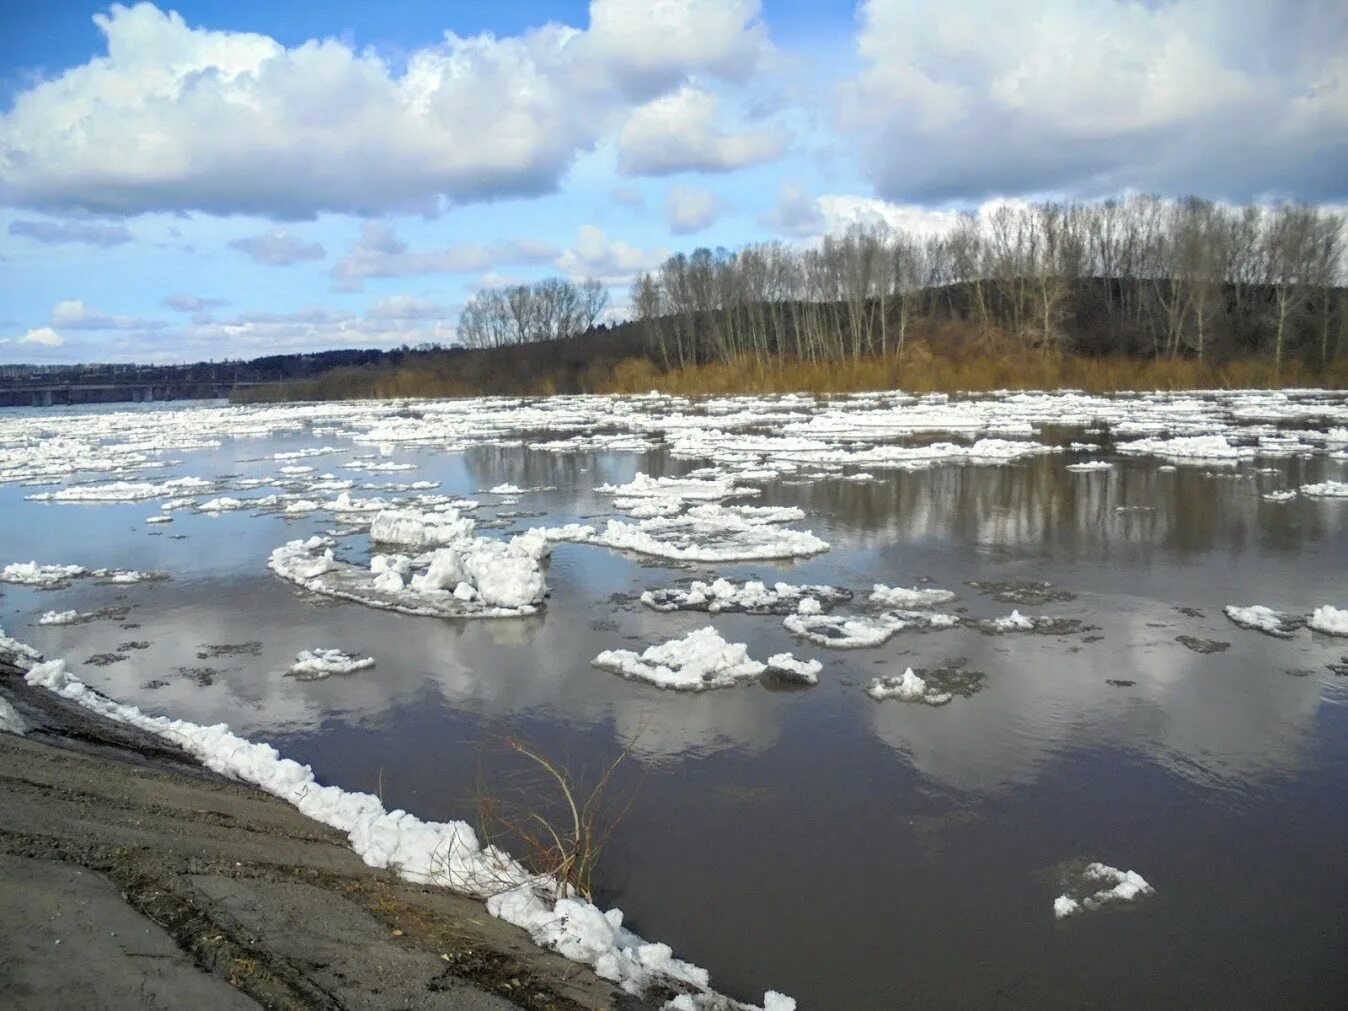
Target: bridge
138	392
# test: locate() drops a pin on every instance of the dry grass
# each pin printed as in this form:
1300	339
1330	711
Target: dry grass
556	825
918	370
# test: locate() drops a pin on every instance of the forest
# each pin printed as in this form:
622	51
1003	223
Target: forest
1131	294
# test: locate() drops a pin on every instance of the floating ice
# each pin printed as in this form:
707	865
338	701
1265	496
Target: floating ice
1264	619
1202	449
643	486
223	504
706	533
752	596
1279	496
1329	620
473	578
1326	489
913	600
312	664
1085	892
906	687
419	530
122	491
861	631
698	661
45	576
159	519
64	617
1086	466
785	667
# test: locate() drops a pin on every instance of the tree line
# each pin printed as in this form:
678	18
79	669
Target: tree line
1144	276
546	310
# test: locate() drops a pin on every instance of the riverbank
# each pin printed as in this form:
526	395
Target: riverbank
129	872
918	369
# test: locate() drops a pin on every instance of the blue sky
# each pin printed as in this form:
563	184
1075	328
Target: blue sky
212	180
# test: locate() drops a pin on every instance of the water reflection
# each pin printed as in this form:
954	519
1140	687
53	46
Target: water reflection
1043	763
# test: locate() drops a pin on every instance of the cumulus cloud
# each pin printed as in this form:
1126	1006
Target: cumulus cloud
406	307
800	215
73	314
680	133
183	118
92	233
1229	99
193	303
277	247
796	213
379	252
43	336
612	261
691	208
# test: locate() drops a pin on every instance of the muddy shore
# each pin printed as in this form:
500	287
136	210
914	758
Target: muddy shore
132	877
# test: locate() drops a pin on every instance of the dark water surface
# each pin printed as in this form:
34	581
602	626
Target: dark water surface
850	853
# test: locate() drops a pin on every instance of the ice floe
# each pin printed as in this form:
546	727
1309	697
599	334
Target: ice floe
698	661
706	533
1330	620
473	577
1086	466
65	617
785	667
1326	489
752	596
906	687
122	491
45	576
862	631
1264	619
913	600
312	664
1099	885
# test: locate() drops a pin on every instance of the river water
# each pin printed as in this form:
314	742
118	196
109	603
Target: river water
852	853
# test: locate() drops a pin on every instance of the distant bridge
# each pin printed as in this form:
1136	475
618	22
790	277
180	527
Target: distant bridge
138	392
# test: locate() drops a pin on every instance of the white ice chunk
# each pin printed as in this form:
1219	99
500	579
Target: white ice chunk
420	530
1330	620
33	574
914	599
1262	619
1119	886
787	668
1326	489
311	664
906	687
698	661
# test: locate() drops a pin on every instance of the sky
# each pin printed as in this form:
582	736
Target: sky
211	180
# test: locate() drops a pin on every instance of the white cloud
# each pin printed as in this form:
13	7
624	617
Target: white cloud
1229	98
691	208
796	213
380	253
181	118
277	247
612	261
44	336
680	133
92	233
193	303
73	314
406	307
